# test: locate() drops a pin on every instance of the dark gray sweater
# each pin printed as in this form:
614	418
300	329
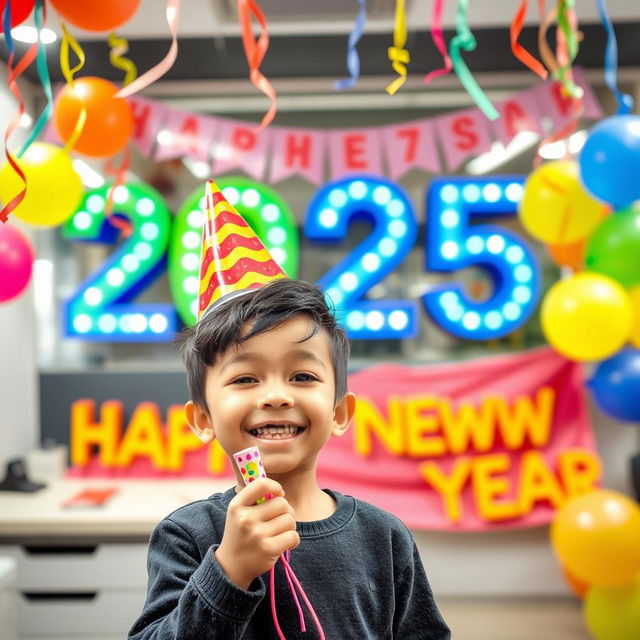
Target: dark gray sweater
360	569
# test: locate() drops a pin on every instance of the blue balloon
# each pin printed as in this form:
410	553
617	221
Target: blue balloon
610	160
616	385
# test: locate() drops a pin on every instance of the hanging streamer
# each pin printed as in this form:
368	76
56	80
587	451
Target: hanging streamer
518	50
554	63
119	173
40	18
625	101
353	60
438	39
568	37
172	14
118	47
69	42
255	51
464	39
13	74
398	55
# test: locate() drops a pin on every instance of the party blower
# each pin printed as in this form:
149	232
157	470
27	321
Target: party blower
250	464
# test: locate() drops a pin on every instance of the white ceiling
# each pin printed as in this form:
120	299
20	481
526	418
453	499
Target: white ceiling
201	18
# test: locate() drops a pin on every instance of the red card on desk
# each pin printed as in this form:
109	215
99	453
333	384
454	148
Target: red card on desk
90	498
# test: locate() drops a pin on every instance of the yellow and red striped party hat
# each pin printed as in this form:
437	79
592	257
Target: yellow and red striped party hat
233	260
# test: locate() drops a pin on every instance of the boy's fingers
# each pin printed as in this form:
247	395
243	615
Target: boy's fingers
261	487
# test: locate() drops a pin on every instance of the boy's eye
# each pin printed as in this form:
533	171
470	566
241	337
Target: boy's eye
304	377
244	380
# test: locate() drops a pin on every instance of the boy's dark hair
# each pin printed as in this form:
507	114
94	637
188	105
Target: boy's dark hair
267	308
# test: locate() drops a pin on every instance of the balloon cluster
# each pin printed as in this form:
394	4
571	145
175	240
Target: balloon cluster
89	119
588	215
596	538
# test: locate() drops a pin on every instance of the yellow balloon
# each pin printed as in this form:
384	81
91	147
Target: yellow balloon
54	189
634	294
596	536
613	613
555	208
587	316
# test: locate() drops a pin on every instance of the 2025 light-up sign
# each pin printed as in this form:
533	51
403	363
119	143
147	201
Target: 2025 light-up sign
102	308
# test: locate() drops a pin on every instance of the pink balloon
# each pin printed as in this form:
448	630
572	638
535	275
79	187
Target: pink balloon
16	262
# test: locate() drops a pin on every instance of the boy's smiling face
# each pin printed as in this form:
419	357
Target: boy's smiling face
276	391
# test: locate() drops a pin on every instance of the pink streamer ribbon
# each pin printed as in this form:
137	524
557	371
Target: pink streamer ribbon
293	581
153	74
438	38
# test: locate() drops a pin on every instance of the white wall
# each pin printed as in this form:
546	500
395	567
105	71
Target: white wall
18	369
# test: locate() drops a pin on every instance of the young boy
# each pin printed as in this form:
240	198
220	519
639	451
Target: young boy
268	368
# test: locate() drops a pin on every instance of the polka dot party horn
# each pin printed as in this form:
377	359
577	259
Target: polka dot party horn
251	467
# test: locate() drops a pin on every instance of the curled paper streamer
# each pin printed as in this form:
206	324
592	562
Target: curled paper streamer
464	39
13	74
119	46
119	173
40	18
518	50
398	55
353	60
68	41
148	77
438	39
255	51
567	46
624	100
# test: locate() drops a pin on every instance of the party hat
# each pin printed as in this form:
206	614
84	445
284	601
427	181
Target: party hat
233	260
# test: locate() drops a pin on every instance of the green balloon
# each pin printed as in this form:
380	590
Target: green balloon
614	247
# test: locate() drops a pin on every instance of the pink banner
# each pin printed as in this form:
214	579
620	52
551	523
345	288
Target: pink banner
409	146
185	134
148	118
494	443
297	152
463	135
517	114
355	151
554	103
241	145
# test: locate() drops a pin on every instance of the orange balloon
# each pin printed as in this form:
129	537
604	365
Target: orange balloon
579	587
109	123
96	16
596	536
569	255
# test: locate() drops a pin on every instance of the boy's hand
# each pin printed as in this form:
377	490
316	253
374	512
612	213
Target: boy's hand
256	535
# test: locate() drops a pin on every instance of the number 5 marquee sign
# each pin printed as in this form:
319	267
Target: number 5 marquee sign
104	306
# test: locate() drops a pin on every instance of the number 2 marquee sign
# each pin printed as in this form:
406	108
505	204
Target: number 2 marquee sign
103	308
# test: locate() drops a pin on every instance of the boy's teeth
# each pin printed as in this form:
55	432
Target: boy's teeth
275	432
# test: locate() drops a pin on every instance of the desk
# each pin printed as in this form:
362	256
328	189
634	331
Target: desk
81	572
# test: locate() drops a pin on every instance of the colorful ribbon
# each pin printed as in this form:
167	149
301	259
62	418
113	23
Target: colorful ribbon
464	39
568	46
438	39
293	582
13	75
69	42
118	47
625	101
518	50
398	55
255	51
353	60
40	18
148	77
119	173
